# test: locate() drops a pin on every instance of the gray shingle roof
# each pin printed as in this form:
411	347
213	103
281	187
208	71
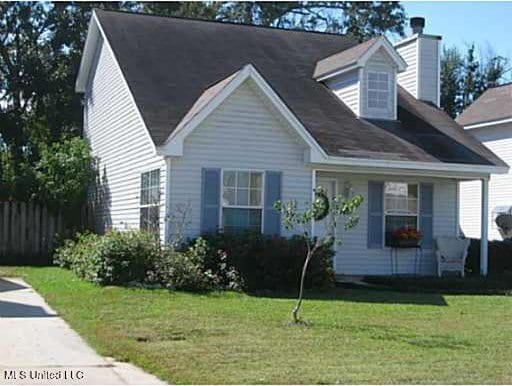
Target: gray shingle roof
342	59
170	62
494	104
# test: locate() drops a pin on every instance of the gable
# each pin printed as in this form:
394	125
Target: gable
248	129
214	96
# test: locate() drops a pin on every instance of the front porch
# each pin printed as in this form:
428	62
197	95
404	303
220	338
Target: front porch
394	199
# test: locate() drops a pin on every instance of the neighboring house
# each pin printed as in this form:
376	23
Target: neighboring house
488	119
223	119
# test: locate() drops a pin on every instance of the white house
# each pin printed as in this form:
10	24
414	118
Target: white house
224	119
488	119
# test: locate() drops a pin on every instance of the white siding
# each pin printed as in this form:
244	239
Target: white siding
346	87
244	133
429	70
121	144
421	78
380	62
499	140
408	79
354	258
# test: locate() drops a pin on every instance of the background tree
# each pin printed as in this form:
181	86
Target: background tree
331	212
464	77
451	80
40	51
359	19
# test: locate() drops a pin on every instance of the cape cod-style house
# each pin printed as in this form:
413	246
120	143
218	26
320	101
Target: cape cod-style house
223	119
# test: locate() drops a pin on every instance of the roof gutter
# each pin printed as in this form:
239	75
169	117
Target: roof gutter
416	166
488	123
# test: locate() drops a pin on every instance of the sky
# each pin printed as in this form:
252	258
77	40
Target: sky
487	24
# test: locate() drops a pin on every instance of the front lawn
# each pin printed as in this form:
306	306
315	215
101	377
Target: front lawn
357	336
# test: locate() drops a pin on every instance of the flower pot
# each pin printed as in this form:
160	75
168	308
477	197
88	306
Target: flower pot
405	243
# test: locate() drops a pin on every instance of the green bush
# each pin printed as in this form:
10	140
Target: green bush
499	257
136	257
114	258
186	270
268	262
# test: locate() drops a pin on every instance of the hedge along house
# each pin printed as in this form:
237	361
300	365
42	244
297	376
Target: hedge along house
223	119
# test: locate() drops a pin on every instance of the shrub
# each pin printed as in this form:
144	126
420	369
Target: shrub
187	271
499	257
63	173
268	262
114	258
135	256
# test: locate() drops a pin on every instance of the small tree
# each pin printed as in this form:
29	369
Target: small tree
331	211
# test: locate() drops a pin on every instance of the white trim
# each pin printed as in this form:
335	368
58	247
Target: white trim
388	90
335	73
384	43
457	169
174	144
151	205
313	187
407	198
488	123
438	99
361	62
87	56
484	227
95	21
168	207
418	66
415	36
360	92
457	209
384	214
260	207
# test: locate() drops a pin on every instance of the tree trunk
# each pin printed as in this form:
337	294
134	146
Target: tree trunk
296	309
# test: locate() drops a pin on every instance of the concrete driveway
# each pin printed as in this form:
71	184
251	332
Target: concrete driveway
38	347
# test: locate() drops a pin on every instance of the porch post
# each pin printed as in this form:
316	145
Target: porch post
484	226
313	186
167	218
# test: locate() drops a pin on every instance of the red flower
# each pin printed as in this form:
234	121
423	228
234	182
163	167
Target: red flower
406	233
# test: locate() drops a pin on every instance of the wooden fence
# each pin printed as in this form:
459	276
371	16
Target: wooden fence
27	232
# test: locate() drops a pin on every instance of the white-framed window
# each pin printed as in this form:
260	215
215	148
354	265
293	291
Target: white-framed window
242	200
401	207
378	90
150	201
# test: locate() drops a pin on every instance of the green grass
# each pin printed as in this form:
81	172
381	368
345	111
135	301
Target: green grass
356	336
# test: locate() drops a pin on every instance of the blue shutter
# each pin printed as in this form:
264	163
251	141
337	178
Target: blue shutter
375	214
210	200
427	214
272	218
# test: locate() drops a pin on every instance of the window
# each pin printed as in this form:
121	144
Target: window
400	207
150	201
242	200
378	90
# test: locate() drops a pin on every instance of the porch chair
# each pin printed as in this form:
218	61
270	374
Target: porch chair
451	253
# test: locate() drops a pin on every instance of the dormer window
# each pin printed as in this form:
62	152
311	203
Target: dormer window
363	77
378	90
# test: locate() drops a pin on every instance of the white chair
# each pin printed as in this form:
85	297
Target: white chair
451	253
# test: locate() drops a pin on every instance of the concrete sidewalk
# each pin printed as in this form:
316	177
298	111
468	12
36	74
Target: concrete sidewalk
38	347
